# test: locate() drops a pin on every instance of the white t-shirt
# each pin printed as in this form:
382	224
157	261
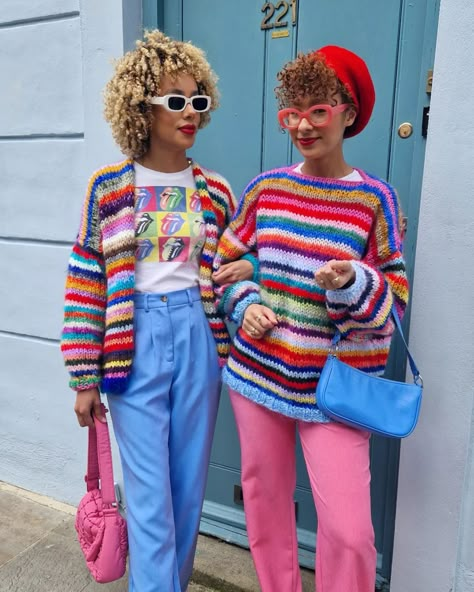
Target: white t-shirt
169	230
353	176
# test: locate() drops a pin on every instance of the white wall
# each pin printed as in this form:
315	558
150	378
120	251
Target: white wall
434	541
52	137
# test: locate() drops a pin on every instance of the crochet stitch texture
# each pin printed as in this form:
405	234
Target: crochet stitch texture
97	339
297	223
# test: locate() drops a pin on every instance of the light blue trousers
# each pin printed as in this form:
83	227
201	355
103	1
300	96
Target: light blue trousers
164	425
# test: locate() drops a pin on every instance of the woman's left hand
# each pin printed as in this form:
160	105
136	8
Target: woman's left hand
258	319
335	274
236	271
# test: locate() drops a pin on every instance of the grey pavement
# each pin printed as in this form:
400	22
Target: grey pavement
39	552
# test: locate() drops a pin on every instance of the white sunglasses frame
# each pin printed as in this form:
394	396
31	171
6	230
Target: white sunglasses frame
164	100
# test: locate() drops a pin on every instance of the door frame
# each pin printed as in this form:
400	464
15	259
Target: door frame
405	172
412	69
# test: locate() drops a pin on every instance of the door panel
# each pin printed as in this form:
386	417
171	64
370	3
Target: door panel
370	29
277	144
230	35
228	454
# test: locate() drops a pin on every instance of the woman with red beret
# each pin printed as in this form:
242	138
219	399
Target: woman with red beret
330	253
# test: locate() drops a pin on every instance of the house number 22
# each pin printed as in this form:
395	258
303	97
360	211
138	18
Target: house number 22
279	10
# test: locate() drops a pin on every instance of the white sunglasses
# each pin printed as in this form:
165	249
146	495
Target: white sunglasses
200	103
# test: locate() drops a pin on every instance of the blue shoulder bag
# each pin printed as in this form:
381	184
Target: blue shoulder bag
371	403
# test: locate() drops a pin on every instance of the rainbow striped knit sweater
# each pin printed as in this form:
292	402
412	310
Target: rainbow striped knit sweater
297	223
97	339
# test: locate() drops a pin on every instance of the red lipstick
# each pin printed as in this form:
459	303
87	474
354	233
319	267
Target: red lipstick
307	141
188	129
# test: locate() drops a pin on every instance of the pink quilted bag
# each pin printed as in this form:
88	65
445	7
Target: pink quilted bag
101	530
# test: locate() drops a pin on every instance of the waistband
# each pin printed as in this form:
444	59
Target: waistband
159	300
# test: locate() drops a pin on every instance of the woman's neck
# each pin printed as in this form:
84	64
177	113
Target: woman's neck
327	168
164	161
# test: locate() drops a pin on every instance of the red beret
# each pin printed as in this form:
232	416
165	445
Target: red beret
353	72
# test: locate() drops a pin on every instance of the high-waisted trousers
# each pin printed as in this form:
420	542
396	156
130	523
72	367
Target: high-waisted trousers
337	460
164	424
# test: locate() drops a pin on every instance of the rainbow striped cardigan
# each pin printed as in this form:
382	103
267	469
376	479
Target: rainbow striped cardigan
297	223
97	339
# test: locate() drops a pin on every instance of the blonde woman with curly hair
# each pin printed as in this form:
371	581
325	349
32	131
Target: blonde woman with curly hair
329	248
141	322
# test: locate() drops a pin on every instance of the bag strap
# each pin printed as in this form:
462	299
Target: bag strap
414	370
99	461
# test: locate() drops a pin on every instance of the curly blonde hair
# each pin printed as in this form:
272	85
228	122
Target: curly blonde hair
137	78
308	75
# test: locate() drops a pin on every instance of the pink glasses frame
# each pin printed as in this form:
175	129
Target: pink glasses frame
330	110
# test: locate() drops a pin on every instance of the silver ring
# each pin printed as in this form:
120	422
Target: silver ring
335	280
257	318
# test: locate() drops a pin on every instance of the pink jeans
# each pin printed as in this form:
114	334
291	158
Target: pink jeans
337	460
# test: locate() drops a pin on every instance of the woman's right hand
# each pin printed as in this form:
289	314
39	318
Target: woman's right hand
88	402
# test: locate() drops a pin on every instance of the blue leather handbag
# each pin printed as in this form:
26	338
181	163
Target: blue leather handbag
371	403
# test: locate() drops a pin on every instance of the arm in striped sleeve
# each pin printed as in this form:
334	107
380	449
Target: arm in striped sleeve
238	240
230	204
380	278
85	300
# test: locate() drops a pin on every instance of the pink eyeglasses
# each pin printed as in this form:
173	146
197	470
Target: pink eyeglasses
317	115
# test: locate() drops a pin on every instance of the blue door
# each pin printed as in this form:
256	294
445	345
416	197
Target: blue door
247	42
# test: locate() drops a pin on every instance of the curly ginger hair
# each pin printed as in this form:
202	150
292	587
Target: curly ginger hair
308	75
137	78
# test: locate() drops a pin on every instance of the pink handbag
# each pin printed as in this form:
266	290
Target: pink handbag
101	530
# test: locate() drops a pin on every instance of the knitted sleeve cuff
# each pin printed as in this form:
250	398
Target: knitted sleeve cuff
235	299
238	313
364	276
256	267
79	384
363	307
